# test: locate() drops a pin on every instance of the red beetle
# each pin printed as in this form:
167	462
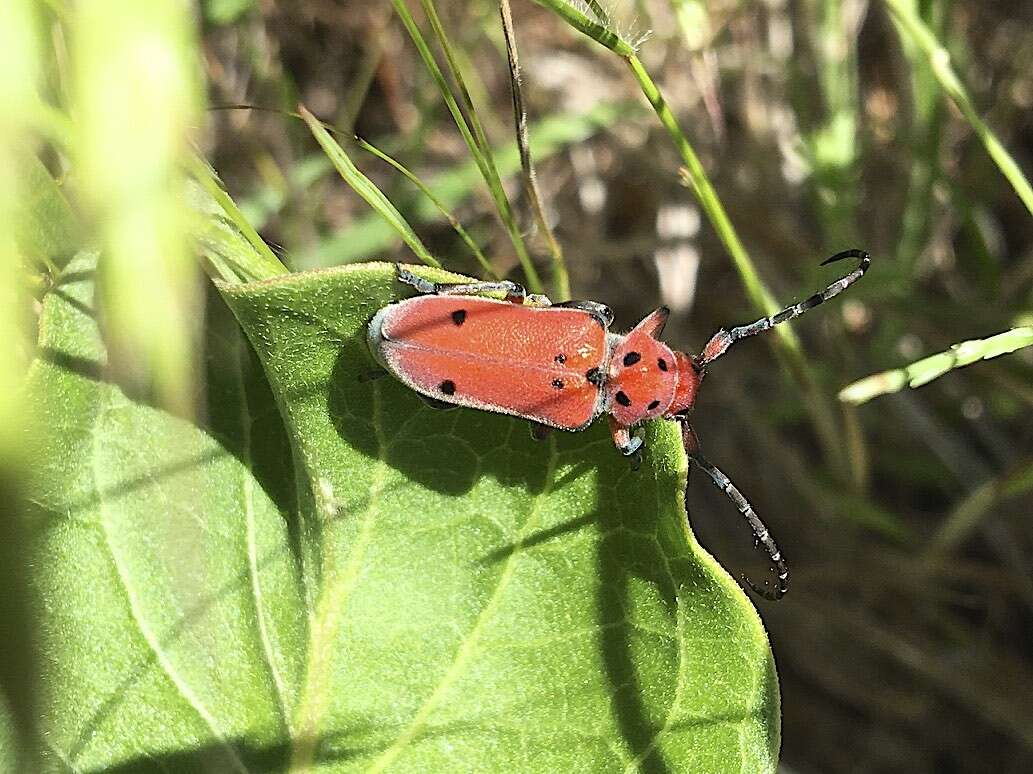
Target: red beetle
559	365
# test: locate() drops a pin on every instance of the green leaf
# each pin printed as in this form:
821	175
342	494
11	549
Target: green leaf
174	622
486	602
45	227
454	596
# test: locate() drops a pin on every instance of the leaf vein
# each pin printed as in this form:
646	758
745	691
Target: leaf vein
248	491
469	644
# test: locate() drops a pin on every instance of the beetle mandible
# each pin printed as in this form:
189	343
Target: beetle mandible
560	366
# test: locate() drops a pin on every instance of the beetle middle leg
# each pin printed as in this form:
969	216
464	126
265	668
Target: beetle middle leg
539	431
515	294
435	403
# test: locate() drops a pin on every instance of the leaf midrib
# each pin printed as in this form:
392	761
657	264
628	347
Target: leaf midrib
470	642
331	606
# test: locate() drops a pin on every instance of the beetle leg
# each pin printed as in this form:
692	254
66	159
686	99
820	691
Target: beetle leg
600	312
760	533
434	403
515	293
371	374
629	445
539	431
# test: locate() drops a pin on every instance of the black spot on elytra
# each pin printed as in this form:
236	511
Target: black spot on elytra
653	405
448	387
557	383
661	364
631	358
459	316
560	358
594	376
623	399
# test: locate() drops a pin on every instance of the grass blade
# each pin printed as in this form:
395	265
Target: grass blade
911	25
472	131
929	368
370	234
560	278
365	188
599	29
260	262
426	191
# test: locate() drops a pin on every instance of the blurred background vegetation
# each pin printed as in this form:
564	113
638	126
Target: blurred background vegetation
906	643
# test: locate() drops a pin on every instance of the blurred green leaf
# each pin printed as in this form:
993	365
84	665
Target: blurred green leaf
475	600
45	226
20	65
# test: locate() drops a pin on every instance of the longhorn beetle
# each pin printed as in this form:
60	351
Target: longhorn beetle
559	366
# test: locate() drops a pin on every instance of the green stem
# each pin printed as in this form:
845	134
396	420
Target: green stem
908	23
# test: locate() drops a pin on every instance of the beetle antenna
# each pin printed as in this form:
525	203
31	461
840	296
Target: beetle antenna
723	339
760	532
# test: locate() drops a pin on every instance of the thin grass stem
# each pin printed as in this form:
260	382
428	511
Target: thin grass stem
929	368
911	25
560	277
426	191
366	188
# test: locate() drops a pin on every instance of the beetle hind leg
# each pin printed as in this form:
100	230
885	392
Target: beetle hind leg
539	432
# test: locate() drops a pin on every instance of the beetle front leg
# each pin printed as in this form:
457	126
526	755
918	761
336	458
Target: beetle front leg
515	293
629	445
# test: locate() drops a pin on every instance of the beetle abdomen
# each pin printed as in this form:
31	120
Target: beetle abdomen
541	363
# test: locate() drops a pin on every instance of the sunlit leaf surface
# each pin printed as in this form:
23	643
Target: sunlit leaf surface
445	593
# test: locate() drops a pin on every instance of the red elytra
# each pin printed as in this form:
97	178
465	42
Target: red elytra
560	366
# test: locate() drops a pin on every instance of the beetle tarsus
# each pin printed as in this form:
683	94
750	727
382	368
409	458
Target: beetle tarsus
635	458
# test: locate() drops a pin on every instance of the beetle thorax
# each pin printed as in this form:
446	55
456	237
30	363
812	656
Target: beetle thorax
689	377
643	378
